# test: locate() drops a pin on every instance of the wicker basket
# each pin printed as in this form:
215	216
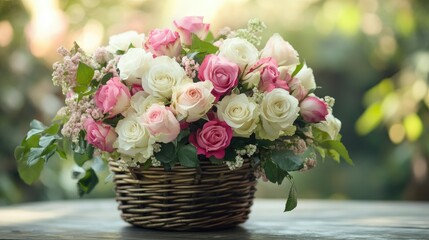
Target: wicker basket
185	199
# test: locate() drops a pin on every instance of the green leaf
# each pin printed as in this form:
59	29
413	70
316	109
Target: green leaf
292	200
81	158
88	182
106	78
46	140
53	129
287	160
36	124
28	173
34	155
271	171
298	68
184	134
84	74
167	153
202	46
209	37
339	148
33	132
33	141
188	156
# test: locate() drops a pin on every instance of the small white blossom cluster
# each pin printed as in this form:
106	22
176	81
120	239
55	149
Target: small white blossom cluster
237	164
77	112
257	96
248	151
251	33
155	162
191	66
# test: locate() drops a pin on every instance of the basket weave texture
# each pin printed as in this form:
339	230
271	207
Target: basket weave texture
185	199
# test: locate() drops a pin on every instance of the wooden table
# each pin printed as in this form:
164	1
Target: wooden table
99	219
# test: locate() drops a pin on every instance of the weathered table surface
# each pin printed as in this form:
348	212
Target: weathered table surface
99	219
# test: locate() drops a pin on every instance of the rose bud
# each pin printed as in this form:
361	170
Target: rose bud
313	109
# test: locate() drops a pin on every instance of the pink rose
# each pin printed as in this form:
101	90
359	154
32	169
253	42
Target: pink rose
113	98
100	135
269	75
164	42
161	123
212	139
313	109
221	72
188	25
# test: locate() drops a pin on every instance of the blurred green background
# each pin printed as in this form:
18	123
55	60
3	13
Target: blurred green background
371	55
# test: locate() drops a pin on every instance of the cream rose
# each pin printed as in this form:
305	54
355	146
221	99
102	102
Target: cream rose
239	113
121	42
141	101
279	111
331	126
164	74
306	78
191	101
281	50
133	138
239	51
134	64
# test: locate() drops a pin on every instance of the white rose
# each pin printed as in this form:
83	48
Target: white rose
306	78
133	138
280	50
192	100
141	101
134	64
122	41
239	51
239	113
331	126
164	74
279	111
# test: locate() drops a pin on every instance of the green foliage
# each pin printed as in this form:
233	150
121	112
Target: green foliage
336	149
36	149
167	155
292	200
298	68
287	160
201	48
88	182
187	155
83	77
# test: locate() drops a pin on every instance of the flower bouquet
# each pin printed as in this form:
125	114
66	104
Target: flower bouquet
187	121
